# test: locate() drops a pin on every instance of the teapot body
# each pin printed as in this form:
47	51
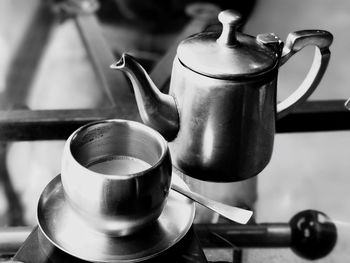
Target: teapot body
227	127
219	116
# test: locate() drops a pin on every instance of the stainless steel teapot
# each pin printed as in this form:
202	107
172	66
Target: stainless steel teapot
220	114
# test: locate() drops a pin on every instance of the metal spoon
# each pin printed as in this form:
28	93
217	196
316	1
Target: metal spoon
232	213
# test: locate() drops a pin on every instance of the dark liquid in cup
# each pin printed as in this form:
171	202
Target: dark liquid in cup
119	165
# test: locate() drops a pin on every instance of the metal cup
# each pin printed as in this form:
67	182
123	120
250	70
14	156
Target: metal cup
119	200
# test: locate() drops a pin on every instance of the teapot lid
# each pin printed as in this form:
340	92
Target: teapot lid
228	55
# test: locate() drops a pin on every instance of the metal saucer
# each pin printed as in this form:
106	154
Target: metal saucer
68	231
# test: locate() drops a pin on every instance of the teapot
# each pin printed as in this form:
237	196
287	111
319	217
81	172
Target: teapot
219	116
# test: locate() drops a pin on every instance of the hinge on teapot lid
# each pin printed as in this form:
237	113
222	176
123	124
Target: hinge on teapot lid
271	40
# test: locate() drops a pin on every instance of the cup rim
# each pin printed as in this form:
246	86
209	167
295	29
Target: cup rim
163	143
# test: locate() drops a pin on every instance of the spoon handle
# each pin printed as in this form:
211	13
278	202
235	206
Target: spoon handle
232	213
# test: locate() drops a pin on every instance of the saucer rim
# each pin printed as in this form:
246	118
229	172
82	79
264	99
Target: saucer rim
57	180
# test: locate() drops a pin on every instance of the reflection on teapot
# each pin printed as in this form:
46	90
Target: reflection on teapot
220	114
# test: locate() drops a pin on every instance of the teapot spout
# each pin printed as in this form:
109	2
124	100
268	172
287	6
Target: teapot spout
157	110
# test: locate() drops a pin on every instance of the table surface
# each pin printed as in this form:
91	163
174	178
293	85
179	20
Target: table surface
37	249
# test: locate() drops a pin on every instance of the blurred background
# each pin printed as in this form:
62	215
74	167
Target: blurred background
307	170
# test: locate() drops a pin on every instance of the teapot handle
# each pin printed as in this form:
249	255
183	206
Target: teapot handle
295	42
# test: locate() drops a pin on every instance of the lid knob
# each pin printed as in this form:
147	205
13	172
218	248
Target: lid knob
230	21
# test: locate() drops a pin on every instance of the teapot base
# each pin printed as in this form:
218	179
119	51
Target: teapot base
219	175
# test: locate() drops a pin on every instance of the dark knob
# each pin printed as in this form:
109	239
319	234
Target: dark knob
313	234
